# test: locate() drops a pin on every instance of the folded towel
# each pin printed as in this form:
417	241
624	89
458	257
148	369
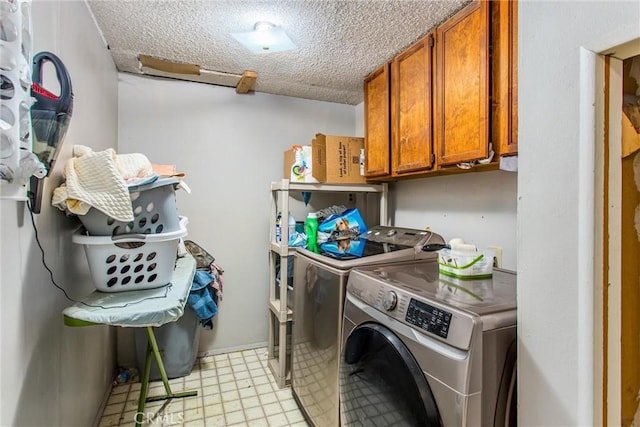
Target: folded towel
95	179
133	165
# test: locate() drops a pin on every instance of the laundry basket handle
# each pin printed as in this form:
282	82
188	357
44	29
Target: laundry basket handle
135	236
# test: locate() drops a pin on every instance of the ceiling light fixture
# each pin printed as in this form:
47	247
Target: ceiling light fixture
265	38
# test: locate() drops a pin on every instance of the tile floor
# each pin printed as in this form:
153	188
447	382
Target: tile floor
234	389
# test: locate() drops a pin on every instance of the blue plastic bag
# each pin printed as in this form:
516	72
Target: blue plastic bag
345	248
347	225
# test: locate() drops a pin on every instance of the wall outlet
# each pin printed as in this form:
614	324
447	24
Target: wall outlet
497	259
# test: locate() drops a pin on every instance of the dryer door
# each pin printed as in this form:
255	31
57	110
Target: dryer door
381	384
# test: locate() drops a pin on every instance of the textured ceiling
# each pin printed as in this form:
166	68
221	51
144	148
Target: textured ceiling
338	42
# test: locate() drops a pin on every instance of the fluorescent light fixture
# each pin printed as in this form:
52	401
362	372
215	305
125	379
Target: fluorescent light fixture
265	38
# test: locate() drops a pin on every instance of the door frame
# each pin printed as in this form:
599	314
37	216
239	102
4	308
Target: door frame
608	301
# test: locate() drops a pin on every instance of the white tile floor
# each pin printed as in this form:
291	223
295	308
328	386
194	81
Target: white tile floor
234	389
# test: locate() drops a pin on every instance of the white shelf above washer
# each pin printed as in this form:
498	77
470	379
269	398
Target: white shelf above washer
280	314
286	185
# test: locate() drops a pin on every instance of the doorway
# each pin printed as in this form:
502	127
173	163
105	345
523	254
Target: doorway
617	296
630	243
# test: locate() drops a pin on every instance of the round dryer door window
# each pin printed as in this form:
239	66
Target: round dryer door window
381	384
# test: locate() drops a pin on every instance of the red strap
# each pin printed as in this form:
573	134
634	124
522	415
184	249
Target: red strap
42	91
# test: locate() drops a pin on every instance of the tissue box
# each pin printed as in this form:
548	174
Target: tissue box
475	265
336	159
298	164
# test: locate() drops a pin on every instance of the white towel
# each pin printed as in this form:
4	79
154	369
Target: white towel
95	179
133	165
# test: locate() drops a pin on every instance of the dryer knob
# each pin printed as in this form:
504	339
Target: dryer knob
390	301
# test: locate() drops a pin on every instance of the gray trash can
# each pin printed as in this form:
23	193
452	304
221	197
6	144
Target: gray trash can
178	344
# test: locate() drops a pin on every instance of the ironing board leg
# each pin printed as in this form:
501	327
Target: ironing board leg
144	386
152	348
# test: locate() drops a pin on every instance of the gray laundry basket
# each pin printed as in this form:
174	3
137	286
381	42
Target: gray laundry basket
178	344
154	211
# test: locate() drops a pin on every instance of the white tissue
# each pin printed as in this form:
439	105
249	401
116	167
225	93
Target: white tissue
489	157
29	165
509	163
6	173
182	249
458	246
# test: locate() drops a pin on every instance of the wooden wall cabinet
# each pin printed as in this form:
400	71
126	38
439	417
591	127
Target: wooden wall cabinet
376	123
411	101
446	98
462	86
398	114
504	25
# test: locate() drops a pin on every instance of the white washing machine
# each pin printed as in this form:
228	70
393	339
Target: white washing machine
424	349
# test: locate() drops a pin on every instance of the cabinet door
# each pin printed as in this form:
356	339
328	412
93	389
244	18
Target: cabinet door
376	123
411	100
504	29
462	86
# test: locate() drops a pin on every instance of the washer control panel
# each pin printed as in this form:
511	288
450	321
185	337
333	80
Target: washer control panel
429	318
400	236
389	300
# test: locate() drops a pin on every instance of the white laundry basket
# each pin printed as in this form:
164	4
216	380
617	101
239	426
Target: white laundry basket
131	261
154	211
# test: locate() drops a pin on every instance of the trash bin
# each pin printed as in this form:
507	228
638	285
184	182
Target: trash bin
178	344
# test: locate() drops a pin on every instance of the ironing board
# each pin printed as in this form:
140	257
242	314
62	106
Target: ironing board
144	308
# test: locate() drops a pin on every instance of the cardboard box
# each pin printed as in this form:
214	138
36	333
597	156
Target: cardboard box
336	159
289	159
300	171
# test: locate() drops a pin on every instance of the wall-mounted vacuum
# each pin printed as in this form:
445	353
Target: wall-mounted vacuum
50	116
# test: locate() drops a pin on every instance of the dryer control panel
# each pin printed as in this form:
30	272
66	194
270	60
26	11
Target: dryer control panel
429	318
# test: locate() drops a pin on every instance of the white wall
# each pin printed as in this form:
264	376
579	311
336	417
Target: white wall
53	374
231	147
478	207
555	201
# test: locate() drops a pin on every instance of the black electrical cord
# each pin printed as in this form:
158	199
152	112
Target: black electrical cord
35	233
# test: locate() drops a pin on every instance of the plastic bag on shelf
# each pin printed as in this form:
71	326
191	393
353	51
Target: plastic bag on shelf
347	225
